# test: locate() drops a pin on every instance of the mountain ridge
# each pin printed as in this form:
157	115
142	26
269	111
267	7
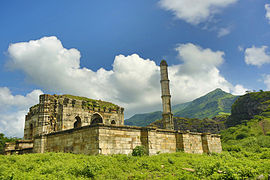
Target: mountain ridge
207	106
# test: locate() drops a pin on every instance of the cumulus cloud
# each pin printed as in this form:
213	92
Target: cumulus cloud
133	82
13	109
239	90
224	31
48	64
267	81
257	56
195	11
267	8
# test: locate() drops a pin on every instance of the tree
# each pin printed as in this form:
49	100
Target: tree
3	141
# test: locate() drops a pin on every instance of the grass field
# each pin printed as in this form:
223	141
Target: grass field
227	165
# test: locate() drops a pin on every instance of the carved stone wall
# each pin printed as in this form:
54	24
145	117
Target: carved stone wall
61	112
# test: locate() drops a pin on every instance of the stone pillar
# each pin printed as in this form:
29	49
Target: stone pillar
39	145
167	116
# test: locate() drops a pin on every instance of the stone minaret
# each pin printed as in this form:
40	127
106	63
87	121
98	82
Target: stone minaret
167	116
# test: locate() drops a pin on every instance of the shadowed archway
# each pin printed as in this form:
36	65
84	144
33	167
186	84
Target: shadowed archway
96	118
78	122
113	122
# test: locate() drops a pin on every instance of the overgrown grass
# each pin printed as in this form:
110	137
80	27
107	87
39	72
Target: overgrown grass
227	165
92	102
250	136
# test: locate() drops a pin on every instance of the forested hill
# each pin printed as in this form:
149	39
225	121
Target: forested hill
251	105
207	106
250	113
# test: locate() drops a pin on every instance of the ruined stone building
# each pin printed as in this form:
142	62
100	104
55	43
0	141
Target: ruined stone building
66	123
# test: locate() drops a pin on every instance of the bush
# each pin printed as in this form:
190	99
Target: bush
264	141
242	135
139	151
265	155
232	148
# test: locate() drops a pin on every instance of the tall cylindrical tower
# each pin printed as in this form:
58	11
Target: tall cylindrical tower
167	116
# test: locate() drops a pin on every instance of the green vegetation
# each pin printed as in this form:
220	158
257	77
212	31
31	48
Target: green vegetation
179	107
212	104
139	151
3	140
252	135
92	102
248	106
208	106
227	165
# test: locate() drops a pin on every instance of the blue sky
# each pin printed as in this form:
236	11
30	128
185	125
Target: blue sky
111	50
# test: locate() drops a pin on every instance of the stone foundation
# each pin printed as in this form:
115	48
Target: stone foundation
115	139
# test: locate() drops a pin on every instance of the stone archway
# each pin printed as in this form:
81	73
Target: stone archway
113	122
78	122
96	118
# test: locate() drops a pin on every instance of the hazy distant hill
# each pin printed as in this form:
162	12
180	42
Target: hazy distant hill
207	106
143	119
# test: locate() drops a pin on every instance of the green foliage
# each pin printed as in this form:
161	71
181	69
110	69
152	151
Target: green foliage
254	105
241	136
235	148
265	155
227	165
210	105
250	136
139	151
3	140
92	102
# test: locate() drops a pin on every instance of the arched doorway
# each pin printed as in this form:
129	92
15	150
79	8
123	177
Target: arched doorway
113	122
78	122
31	131
96	118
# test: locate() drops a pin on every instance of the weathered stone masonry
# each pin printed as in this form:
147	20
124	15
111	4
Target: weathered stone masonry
60	112
115	139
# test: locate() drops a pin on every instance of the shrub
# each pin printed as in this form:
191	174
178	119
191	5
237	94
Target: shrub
265	155
264	141
232	148
242	135
139	151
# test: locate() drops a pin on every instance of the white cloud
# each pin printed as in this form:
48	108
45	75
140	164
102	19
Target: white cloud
240	48
267	81
133	81
13	109
267	8
257	56
224	31
239	90
198	74
195	11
